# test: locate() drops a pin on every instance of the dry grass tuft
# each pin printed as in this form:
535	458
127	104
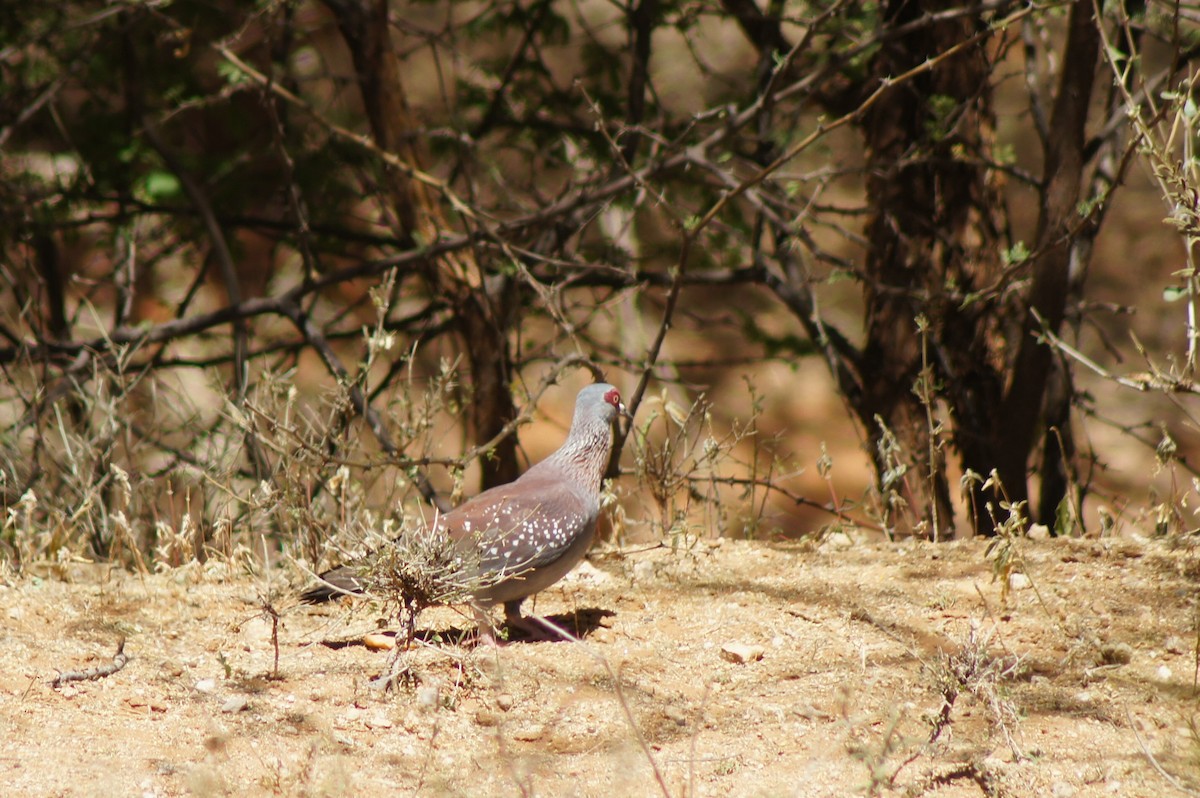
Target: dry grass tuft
974	670
423	568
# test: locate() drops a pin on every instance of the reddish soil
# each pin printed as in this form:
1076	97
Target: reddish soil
1079	682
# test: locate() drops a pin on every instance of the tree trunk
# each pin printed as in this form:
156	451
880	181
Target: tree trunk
932	237
1020	415
482	313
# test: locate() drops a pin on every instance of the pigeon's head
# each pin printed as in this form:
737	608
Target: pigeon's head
601	401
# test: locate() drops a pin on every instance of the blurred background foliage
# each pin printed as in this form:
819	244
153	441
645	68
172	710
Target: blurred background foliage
276	272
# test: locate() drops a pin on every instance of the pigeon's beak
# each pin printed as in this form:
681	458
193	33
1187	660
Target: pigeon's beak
622	411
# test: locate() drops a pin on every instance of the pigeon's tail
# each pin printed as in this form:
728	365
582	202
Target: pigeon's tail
334	583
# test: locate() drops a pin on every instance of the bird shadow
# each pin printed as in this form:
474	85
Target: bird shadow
579	624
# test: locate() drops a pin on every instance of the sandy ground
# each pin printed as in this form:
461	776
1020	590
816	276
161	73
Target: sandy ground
1079	682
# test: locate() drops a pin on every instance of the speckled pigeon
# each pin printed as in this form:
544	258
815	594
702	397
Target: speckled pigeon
528	534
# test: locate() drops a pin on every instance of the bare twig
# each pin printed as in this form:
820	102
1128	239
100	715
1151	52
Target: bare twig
99	672
1158	768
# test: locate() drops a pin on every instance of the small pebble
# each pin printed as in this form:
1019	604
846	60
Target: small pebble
427	696
379	721
235	703
643	571
838	540
504	701
1039	532
1061	789
1018	581
378	641
741	653
206	685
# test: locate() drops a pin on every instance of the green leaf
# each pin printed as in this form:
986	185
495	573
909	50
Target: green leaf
232	74
1017	253
1062	518
161	185
1173	293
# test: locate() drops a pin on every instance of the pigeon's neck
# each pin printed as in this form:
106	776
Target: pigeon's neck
583	458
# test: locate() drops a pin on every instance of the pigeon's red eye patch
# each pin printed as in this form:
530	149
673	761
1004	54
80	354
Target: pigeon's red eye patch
613	398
